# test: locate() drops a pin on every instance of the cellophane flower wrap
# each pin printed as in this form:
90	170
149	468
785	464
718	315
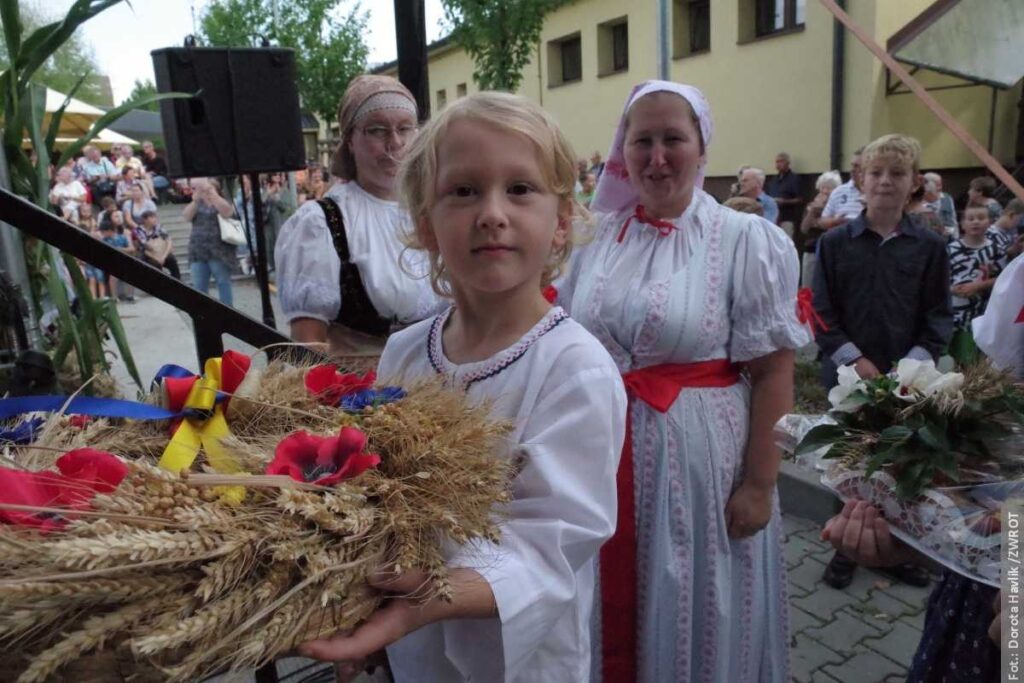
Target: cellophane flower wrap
938	453
187	574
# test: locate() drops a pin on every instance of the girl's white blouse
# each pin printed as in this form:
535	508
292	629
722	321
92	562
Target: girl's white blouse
562	392
308	267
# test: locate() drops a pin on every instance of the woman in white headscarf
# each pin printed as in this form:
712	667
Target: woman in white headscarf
697	305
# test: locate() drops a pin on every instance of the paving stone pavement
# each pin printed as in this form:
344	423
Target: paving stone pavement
866	633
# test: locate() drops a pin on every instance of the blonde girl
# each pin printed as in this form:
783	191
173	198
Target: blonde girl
489	185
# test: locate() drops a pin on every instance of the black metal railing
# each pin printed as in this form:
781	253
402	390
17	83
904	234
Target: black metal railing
210	318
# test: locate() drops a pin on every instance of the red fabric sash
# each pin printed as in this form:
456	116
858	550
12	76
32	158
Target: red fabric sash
658	386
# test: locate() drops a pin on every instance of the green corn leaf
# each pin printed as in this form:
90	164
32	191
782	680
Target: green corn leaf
59	296
111	117
822	435
10	15
58	116
113	321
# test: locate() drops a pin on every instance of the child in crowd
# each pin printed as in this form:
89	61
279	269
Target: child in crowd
974	263
112	232
961	623
882	289
86	220
155	244
981	190
1005	231
107	205
489	185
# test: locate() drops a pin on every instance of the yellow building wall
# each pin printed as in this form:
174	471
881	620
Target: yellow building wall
766	95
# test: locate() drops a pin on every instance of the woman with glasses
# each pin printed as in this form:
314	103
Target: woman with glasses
343	277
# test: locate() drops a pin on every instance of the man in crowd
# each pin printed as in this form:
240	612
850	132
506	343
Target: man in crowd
846	203
156	169
784	188
100	173
752	187
596	165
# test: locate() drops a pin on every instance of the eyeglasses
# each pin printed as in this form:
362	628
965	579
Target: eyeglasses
384	133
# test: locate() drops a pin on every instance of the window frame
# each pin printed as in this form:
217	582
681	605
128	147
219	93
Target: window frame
563	46
764	16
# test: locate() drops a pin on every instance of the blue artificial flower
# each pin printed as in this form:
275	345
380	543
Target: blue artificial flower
25	431
356	401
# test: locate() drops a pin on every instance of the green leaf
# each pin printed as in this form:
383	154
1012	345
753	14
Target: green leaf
112	116
113	320
933	436
818	437
58	116
10	15
896	433
882	458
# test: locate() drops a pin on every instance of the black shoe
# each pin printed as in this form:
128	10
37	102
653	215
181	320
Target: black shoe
910	574
839	572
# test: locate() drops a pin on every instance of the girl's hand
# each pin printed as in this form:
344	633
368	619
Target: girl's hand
860	533
865	368
400	614
748	510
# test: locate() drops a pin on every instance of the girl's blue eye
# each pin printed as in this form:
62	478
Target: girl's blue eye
520	189
463	191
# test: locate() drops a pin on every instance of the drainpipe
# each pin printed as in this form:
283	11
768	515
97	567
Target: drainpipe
663	41
838	79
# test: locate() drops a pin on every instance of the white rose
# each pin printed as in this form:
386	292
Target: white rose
914	376
846	396
946	383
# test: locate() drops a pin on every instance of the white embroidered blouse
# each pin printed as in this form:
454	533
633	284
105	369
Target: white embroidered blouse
565	397
308	266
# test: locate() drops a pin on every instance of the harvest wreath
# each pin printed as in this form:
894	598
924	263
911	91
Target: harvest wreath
306	481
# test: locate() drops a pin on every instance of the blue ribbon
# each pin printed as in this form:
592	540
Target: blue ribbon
170	370
83	405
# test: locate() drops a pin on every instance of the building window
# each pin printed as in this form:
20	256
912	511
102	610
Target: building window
442	99
565	60
460	90
774	16
691	27
613	47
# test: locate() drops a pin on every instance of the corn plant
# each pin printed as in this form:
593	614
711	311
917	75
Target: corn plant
24	108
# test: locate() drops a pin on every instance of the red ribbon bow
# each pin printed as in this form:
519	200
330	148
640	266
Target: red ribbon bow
665	228
805	312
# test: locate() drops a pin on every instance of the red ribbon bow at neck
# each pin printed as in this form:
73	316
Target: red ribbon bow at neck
805	312
665	228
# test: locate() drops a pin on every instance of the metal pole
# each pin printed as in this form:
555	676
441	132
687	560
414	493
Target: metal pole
663	39
992	120
261	248
411	37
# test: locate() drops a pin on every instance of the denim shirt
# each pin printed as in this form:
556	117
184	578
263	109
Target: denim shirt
883	299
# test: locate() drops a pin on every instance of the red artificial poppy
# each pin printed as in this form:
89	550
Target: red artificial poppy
83	473
329	385
80	421
323	460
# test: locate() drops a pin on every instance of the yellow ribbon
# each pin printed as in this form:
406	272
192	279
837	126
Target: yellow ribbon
204	430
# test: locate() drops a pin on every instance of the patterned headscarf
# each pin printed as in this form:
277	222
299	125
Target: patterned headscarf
392	95
615	192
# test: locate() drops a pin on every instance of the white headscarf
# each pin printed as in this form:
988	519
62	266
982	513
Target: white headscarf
615	192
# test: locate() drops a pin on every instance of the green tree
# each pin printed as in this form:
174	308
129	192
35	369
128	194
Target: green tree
329	48
500	36
142	88
63	69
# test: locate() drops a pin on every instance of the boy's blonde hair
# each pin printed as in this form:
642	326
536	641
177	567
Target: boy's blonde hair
509	114
901	147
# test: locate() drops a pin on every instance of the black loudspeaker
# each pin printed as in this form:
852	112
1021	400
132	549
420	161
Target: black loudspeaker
244	117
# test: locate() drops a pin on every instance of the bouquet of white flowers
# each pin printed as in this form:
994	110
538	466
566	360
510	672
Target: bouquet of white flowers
937	452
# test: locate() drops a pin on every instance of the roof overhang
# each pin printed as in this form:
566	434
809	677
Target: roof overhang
976	40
